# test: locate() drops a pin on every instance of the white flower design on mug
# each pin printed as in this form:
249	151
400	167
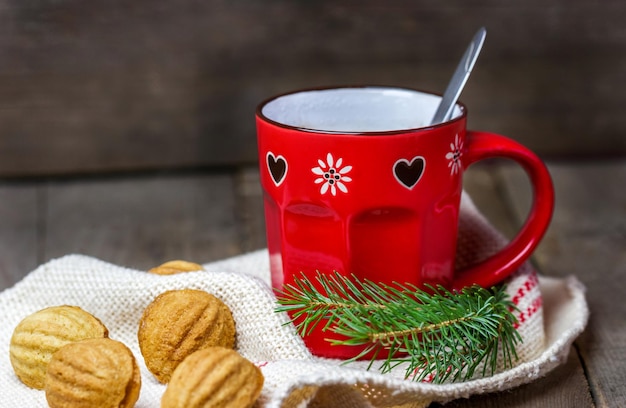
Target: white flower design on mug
332	175
454	156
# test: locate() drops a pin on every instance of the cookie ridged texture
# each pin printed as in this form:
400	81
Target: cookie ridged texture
93	373
179	322
175	267
39	335
211	378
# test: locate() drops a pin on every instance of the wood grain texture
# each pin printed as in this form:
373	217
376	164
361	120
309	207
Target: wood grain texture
587	239
19	231
250	211
105	86
144	222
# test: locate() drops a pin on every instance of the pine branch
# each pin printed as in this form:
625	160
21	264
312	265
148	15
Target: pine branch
442	335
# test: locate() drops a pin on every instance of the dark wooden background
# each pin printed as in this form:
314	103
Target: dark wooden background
116	86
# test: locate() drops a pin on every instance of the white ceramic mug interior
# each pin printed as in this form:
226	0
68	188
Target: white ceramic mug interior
355	110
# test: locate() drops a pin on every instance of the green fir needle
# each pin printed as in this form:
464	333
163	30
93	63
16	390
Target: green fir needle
442	335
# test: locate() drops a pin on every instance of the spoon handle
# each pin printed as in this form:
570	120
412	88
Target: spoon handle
463	70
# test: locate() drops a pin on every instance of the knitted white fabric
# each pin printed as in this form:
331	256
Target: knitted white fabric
553	312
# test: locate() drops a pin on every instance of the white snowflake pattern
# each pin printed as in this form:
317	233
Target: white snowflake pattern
332	175
454	156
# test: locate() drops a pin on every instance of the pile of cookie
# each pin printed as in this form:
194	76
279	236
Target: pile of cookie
186	337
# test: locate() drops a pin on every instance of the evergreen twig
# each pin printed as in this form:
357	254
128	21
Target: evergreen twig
442	335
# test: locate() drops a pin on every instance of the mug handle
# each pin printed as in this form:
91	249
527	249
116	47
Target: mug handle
483	145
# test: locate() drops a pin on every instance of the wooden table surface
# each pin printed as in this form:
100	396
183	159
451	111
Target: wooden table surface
142	220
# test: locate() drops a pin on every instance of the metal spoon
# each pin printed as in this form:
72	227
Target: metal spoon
462	73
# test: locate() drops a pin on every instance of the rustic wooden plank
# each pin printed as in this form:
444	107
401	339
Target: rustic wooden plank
112	86
143	221
587	239
19	227
249	209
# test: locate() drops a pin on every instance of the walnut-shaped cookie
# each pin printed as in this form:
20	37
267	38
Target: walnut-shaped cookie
176	266
40	334
93	373
211	378
179	322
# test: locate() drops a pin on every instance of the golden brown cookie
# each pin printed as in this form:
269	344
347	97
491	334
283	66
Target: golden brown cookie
42	333
213	377
176	266
179	322
93	373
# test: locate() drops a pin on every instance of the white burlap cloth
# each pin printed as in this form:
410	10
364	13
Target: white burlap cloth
552	313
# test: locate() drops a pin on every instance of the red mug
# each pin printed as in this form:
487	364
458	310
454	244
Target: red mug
356	180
